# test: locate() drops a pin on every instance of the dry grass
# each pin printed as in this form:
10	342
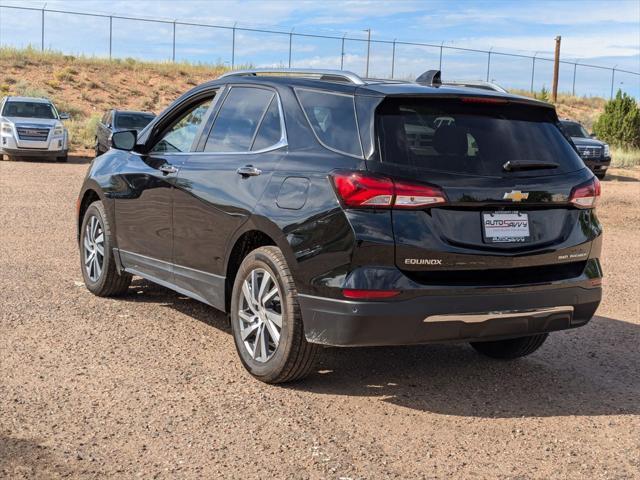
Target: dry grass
585	110
625	158
86	87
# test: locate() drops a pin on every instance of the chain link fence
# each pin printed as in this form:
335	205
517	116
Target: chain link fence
175	40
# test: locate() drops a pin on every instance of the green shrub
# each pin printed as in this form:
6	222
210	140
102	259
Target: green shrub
619	125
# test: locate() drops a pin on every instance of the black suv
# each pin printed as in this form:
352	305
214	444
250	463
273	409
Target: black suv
318	208
594	152
115	120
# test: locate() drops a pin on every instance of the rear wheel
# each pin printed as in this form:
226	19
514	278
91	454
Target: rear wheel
266	320
96	255
512	347
601	175
62	159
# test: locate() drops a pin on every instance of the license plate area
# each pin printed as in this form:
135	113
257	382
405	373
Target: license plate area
505	227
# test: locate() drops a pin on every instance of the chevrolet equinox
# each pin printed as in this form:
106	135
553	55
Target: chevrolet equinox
320	208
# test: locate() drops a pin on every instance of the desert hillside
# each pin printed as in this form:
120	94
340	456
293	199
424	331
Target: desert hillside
87	87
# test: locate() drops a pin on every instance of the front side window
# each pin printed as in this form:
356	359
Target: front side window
29	110
180	137
333	120
237	123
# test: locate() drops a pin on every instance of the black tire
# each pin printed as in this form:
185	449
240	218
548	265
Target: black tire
511	348
62	159
600	176
109	282
293	357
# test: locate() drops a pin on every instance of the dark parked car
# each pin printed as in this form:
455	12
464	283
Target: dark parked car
594	152
116	120
318	208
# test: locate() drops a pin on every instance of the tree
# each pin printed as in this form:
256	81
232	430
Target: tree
619	125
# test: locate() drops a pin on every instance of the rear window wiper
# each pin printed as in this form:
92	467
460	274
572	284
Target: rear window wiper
513	165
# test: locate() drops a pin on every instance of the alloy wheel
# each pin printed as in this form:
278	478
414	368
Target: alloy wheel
93	248
260	314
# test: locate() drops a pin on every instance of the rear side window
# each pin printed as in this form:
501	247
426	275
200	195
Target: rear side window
237	122
452	136
269	132
333	120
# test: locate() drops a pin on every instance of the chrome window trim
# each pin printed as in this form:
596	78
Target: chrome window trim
355	116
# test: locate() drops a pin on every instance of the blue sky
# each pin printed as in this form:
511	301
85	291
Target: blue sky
601	32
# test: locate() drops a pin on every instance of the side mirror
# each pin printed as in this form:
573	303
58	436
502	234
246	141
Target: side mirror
64	116
124	140
593	135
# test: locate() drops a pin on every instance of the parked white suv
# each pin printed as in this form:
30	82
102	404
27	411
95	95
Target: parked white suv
32	128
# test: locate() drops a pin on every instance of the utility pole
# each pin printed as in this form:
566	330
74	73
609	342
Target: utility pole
368	30
533	69
342	53
556	70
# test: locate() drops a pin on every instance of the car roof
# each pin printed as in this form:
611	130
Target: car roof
361	86
29	99
135	112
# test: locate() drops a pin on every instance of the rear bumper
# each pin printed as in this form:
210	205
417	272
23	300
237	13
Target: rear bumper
498	313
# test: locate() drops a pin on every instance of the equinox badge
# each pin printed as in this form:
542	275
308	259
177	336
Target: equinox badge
515	196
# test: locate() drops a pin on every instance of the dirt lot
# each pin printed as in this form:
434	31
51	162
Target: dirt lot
148	386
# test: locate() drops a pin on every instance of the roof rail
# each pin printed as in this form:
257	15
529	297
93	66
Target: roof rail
321	74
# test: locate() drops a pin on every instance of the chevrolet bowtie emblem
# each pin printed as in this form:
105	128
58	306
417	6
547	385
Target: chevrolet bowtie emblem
515	196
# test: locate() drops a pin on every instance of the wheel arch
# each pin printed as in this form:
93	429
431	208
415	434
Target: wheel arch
257	232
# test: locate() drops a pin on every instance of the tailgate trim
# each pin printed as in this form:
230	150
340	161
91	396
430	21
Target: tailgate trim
484	317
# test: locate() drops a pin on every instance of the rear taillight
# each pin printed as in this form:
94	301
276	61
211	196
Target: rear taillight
362	190
586	194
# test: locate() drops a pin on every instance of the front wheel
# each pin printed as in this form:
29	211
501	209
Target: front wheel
266	320
97	262
512	347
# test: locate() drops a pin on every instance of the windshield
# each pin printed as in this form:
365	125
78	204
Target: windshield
29	110
133	121
453	136
574	130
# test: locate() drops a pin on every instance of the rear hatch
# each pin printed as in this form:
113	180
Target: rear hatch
506	173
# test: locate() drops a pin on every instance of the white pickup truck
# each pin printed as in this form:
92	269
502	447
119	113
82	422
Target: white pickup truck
32	128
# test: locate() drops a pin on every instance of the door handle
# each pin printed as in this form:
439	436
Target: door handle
249	171
167	169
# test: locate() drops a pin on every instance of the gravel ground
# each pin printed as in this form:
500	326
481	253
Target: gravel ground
148	386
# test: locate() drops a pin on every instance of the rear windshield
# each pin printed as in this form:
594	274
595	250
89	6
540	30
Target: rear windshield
133	121
452	136
29	110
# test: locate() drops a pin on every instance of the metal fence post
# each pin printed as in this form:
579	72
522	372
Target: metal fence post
368	30
533	70
290	42
613	76
233	46
173	54
42	32
393	58
110	36
342	53
488	62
